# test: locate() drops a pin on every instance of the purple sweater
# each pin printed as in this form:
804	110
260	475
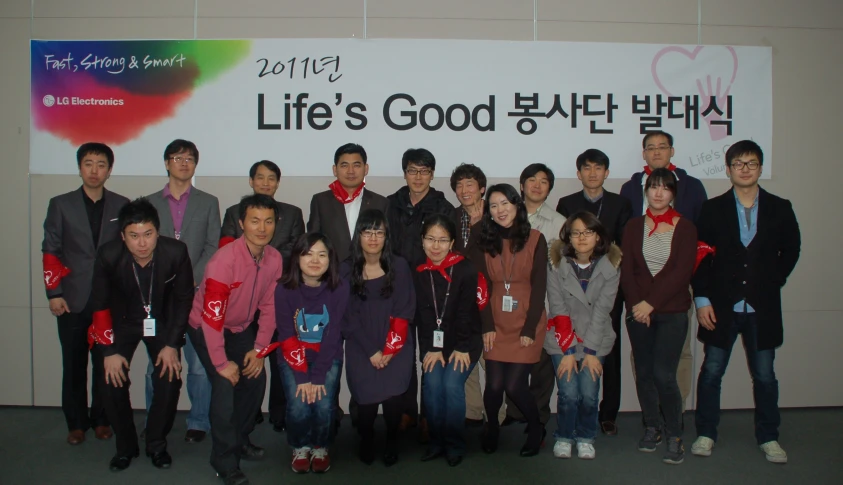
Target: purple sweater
312	314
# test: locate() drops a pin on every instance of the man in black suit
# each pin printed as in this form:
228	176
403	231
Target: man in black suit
264	177
737	290
142	291
613	211
77	223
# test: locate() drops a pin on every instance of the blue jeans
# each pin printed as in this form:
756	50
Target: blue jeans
576	404
443	392
198	389
310	424
765	387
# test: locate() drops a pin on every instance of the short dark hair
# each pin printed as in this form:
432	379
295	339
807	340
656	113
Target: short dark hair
651	134
94	148
350	149
662	177
535	168
371	219
418	156
271	166
138	211
467	171
744	147
178	146
256	201
592	223
592	155
293	277
491	240
442	221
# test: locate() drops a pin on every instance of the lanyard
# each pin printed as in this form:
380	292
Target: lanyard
147	304
445	302
507	282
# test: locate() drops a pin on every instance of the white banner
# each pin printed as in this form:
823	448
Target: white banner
501	105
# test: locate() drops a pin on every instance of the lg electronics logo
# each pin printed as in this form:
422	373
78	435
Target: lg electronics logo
49	101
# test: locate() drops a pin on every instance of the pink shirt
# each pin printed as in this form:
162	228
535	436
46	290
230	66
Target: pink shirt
177	207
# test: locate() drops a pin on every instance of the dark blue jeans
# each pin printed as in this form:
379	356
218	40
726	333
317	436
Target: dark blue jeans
443	391
310	424
576	404
765	387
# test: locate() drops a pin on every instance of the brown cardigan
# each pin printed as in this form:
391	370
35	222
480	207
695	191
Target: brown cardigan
668	291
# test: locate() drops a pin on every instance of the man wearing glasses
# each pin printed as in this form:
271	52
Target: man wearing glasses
192	217
408	207
738	291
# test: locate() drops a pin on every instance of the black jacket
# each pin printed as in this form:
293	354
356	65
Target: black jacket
613	211
114	288
405	221
755	273
461	318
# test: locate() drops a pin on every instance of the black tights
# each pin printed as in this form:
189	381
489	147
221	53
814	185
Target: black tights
514	380
367	413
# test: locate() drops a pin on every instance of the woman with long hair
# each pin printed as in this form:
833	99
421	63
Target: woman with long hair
581	286
310	302
448	324
377	328
513	258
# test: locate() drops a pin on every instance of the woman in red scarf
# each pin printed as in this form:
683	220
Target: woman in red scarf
450	342
659	251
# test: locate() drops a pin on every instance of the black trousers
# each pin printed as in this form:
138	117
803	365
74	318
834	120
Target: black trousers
542	380
611	402
162	412
367	413
277	398
73	337
233	408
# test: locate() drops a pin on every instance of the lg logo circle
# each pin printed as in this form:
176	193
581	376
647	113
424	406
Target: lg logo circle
49	100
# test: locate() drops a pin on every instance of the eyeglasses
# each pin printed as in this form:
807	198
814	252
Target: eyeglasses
416	171
579	234
187	160
749	165
373	234
433	241
661	148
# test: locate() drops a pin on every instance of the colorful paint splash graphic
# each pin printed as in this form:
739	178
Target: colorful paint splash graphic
111	91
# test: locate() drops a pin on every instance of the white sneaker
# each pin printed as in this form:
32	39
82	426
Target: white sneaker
702	446
585	451
562	449
774	452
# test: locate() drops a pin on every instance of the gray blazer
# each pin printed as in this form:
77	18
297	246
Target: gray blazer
200	229
589	310
67	235
288	228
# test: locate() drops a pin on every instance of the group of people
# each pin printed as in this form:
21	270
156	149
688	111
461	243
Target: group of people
383	285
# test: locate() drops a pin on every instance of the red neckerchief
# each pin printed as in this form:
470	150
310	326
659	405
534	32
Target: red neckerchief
450	260
667	218
649	171
342	195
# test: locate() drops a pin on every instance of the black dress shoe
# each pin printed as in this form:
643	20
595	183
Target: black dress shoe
194	436
489	443
161	459
432	454
234	477
367	452
609	428
278	426
454	460
251	452
535	438
390	458
259	418
120	463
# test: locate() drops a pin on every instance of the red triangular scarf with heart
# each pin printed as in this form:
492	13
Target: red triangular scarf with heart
649	171
342	195
450	260
667	218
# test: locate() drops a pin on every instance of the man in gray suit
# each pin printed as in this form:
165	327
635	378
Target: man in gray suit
264	177
77	224
192	217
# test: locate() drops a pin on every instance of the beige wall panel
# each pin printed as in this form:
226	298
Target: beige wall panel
452	9
281	8
114	28
15	8
823	14
649	12
450	29
114	8
276	27
617	32
16	388
45	344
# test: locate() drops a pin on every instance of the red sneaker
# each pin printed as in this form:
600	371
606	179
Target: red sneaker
301	460
320	462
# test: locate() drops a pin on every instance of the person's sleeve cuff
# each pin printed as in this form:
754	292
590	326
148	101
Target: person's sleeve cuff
701	301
